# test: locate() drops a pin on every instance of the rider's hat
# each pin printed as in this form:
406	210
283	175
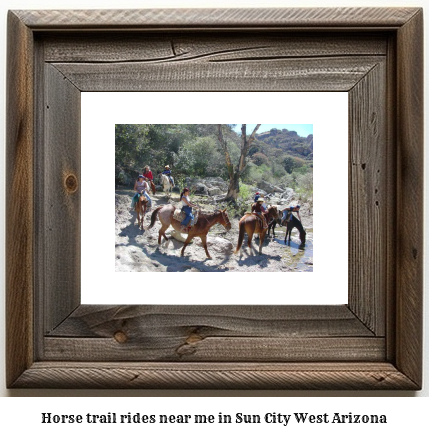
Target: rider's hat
167	166
260	200
140	177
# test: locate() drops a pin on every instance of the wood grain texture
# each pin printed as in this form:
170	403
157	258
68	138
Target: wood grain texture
391	192
368	199
213	333
410	199
99	321
19	200
194	348
61	169
215	376
230	18
170	47
330	74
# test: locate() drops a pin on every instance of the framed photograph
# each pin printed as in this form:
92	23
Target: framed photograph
58	61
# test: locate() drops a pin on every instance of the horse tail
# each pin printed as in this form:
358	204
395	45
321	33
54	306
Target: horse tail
240	236
153	216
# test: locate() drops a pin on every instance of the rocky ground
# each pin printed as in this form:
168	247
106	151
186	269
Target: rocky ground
138	250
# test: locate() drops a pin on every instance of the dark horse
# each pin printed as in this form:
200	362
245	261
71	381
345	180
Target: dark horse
201	228
295	222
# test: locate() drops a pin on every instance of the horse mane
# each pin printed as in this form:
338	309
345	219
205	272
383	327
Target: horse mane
207	214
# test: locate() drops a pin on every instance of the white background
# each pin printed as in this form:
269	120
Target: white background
21	414
101	111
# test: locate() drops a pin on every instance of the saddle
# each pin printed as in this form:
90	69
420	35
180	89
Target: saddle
179	215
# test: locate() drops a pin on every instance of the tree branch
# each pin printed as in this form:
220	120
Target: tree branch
246	145
223	144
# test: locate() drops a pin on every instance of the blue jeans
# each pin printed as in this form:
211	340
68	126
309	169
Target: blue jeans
148	198
286	216
189	216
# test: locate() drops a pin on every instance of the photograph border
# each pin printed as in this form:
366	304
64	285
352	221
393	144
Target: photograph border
374	342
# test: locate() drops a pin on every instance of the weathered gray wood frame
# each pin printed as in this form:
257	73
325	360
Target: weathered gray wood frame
374	342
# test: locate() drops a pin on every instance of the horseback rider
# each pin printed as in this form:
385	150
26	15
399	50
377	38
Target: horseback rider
260	210
287	213
167	172
147	173
187	208
140	186
257	195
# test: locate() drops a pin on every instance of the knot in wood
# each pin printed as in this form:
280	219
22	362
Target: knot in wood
120	337
71	183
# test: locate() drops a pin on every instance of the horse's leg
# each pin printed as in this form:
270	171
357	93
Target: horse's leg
137	211
249	238
204	241
188	240
164	228
143	215
162	233
261	241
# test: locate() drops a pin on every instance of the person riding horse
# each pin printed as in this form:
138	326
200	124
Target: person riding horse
167	172
140	186
259	209
147	173
287	214
187	208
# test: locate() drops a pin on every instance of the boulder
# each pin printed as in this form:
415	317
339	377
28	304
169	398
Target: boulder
214	191
179	236
217	244
216	182
288	195
254	190
200	189
159	188
176	189
209	183
269	187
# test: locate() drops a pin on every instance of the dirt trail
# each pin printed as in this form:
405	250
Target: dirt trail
138	250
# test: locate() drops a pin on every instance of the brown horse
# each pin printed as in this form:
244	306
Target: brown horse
152	187
201	228
140	209
250	223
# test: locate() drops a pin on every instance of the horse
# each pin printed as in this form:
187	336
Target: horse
201	228
152	187
295	222
250	223
140	209
166	185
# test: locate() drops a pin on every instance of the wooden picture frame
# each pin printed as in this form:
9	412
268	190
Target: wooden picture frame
373	342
